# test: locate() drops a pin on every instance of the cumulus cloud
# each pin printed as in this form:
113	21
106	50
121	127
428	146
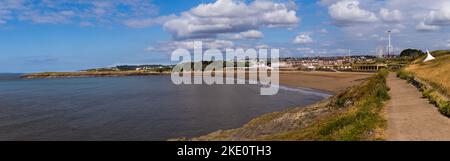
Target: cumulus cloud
424	27
228	16
391	15
77	12
250	34
146	22
349	12
169	46
439	17
303	38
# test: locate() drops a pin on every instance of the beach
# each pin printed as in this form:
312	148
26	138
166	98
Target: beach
325	81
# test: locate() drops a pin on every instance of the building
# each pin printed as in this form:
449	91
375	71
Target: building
368	67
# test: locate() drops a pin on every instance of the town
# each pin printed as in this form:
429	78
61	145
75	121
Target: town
356	63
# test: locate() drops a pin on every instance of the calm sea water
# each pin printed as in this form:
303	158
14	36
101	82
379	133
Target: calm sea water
130	108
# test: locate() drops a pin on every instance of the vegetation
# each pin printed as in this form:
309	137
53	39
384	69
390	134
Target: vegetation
432	79
88	74
434	97
359	122
412	53
434	72
409	76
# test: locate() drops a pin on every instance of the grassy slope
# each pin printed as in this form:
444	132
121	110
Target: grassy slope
435	72
350	115
360	122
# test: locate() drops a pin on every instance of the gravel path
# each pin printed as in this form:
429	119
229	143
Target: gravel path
411	117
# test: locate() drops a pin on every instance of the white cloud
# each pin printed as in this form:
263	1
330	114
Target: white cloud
327	2
391	16
169	46
349	12
146	22
424	27
303	38
439	17
250	34
262	46
306	50
228	16
395	31
65	11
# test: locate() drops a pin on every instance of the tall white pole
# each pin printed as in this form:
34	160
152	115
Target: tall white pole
349	56
389	47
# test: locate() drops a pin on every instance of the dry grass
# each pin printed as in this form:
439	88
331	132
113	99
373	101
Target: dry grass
435	72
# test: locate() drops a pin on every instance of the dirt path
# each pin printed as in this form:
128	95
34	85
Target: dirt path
411	117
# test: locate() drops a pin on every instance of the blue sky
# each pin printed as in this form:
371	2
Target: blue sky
68	35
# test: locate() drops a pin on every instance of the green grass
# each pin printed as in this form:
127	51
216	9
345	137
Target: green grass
435	80
359	122
430	90
409	76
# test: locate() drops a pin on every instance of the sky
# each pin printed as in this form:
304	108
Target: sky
70	35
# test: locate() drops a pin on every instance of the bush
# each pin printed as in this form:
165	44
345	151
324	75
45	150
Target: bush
445	109
402	74
413	53
364	117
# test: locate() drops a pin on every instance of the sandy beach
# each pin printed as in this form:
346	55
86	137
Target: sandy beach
326	81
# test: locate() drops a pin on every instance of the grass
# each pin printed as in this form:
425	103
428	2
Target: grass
428	91
359	122
434	72
435	77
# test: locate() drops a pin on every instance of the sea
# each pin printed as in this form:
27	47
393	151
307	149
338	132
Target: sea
133	108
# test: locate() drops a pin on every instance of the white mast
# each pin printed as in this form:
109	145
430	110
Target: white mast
349	55
389	45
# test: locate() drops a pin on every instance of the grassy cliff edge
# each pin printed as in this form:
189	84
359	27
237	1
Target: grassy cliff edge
89	74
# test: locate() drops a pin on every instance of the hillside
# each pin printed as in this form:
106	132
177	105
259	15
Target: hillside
435	72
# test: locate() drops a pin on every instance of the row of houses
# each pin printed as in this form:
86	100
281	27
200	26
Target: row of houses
354	63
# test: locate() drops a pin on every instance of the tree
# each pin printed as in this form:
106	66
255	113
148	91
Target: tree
413	53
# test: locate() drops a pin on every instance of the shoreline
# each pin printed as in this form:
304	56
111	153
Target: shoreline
328	82
51	75
313	122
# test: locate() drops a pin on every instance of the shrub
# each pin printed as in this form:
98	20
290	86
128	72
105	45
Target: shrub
364	116
445	108
402	74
